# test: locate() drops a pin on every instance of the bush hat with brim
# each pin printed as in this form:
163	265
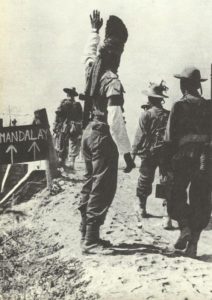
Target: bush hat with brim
154	95
191	73
156	90
71	92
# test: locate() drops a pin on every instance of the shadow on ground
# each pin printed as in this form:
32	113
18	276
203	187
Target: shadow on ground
130	249
206	258
153	216
143	249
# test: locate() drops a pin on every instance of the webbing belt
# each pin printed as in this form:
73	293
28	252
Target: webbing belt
194	138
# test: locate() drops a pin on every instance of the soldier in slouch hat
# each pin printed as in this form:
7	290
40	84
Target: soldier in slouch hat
68	129
188	135
148	144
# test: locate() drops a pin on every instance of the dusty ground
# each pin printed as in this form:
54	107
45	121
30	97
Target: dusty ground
41	259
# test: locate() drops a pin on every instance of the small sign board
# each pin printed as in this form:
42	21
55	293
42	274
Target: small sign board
23	144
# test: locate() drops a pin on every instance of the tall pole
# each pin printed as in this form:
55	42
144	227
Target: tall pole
211	81
10	124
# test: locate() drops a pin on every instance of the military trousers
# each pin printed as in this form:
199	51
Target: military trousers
101	163
74	147
149	164
190	195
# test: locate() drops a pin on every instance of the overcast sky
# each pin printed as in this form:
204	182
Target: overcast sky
42	45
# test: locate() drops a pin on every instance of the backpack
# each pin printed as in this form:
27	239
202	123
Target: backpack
157	136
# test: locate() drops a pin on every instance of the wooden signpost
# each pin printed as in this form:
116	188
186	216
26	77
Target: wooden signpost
29	143
23	144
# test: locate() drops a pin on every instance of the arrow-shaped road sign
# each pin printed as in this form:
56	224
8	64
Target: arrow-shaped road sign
33	147
11	149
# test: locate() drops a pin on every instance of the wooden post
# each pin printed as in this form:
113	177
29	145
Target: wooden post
48	175
6	174
1	167
210	160
41	118
211	82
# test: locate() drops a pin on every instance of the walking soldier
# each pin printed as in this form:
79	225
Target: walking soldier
188	136
68	129
148	142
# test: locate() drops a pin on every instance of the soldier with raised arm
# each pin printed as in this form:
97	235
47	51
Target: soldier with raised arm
106	128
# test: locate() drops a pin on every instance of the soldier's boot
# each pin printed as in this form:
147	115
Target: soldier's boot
129	163
60	162
167	223
70	164
83	230
185	236
73	165
191	250
92	243
142	203
141	211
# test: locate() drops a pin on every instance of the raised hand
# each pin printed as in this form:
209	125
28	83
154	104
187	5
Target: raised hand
96	21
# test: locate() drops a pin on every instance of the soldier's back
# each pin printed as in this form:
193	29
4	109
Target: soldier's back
193	116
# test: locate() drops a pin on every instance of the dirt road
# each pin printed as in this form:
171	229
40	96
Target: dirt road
143	266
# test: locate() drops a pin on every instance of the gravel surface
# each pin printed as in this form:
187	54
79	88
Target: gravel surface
40	255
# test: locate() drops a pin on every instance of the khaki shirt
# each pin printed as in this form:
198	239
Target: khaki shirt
189	127
150	123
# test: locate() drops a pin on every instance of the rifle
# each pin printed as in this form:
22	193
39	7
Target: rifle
88	106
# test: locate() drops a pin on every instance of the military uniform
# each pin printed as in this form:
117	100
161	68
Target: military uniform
188	133
147	144
68	130
187	137
101	155
106	126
